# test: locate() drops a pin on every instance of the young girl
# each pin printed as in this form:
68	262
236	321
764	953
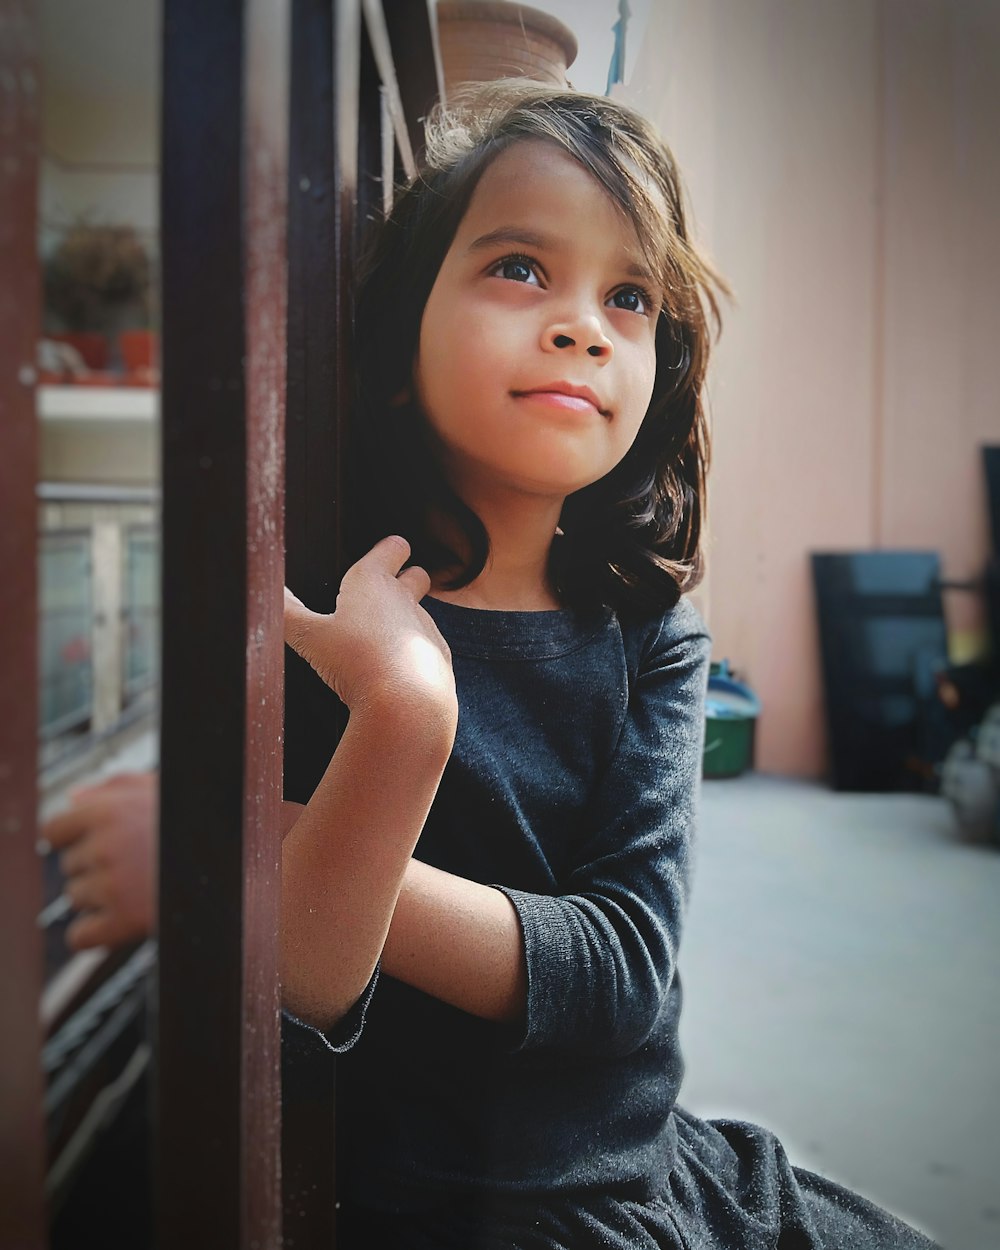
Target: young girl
482	901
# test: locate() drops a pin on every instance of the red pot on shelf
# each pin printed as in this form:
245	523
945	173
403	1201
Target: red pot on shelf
139	349
94	348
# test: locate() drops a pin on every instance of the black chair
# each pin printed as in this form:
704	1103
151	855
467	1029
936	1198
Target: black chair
884	646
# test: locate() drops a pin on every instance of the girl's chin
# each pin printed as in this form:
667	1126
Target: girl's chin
551	475
554	488
559	482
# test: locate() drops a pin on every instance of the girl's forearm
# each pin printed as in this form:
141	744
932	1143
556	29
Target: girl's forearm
460	941
339	888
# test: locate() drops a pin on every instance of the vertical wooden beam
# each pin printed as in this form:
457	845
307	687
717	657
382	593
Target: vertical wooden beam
330	123
22	1220
316	358
199	1051
338	141
322	188
223	230
323	179
265	165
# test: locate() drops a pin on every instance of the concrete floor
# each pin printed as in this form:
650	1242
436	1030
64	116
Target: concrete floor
841	969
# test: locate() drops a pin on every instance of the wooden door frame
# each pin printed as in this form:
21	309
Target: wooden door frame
22	1121
223	193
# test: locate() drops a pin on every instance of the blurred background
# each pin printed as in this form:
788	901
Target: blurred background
844	174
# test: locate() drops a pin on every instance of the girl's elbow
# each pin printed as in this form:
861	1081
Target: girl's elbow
319	1015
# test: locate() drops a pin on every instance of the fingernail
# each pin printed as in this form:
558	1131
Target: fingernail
43	847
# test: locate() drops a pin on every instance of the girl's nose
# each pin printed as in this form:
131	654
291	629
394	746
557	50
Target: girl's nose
585	334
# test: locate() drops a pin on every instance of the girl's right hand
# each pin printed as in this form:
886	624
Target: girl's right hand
379	649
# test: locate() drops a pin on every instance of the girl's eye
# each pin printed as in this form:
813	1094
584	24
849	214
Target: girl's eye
632	299
516	269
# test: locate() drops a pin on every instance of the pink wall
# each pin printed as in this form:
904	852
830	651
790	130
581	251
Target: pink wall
844	172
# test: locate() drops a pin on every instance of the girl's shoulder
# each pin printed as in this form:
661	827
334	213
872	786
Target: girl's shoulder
648	639
677	633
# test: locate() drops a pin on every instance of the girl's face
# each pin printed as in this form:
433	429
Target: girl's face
536	357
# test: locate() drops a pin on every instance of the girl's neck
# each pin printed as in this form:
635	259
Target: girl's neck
516	575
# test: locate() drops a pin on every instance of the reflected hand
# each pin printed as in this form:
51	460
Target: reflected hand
108	842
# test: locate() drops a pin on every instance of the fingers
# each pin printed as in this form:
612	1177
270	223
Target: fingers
101	927
389	555
92	928
88	805
80	857
416	580
66	828
87	891
119	781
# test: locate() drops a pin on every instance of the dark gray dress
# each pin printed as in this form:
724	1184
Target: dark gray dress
572	787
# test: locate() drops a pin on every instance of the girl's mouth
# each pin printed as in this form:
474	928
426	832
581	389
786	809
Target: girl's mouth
566	396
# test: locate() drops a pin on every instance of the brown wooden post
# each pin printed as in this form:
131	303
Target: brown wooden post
322	186
223	230
338	144
328	137
22	1218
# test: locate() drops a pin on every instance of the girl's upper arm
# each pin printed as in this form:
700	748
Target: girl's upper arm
601	956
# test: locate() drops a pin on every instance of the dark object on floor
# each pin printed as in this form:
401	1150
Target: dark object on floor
884	645
991	464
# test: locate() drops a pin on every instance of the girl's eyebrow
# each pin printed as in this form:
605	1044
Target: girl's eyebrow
540	242
513	234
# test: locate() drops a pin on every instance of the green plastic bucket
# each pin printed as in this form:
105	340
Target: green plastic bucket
731	711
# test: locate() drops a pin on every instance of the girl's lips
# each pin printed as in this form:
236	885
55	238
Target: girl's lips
576	399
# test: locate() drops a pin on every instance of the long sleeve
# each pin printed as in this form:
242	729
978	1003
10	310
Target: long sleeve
572	787
298	1035
601	954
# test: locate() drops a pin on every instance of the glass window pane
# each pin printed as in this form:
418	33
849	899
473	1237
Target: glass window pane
66	660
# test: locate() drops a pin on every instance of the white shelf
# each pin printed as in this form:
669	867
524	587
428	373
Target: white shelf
99	403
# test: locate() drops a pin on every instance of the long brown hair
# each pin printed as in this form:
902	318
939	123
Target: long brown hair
632	540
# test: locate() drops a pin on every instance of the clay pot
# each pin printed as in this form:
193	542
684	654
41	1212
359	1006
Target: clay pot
485	39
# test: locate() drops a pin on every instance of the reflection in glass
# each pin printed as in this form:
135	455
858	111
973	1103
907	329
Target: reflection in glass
141	610
66	597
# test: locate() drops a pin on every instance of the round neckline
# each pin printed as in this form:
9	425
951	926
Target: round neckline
493	633
448	603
